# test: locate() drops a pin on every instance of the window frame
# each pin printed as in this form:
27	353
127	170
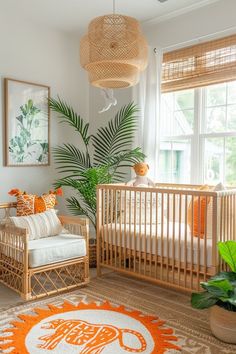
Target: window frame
199	136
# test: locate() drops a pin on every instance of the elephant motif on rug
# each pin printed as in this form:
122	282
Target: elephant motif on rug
95	337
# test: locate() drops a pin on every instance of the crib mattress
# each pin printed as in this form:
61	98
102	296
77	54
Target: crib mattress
172	240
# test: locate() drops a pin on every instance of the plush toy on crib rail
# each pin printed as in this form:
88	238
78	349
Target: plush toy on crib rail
141	179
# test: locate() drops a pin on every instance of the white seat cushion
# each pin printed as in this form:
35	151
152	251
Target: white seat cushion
55	249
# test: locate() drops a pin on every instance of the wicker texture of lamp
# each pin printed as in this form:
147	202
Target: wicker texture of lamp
114	51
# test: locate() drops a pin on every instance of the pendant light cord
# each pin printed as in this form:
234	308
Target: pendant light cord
114	7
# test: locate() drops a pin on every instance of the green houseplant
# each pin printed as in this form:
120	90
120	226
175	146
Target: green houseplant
100	158
220	294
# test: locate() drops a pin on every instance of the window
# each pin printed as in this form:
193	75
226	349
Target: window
198	135
198	118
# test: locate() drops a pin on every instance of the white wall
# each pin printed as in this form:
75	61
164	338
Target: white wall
217	18
36	54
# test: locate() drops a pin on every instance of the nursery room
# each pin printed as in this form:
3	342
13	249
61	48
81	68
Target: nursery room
118	176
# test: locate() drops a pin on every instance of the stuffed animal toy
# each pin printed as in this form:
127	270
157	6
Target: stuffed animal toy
141	180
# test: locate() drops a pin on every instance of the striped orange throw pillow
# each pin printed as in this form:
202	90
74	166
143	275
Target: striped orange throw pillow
28	204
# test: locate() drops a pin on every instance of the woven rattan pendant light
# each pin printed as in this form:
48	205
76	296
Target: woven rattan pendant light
114	51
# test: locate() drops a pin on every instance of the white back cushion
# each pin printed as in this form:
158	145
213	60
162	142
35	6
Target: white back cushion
39	225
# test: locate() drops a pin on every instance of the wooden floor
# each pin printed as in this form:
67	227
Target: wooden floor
191	326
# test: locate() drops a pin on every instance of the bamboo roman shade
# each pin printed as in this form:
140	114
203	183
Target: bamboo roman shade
200	65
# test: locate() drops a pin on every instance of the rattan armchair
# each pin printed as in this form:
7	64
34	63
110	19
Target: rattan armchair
48	279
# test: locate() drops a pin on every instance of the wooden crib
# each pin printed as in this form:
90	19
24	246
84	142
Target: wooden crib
167	234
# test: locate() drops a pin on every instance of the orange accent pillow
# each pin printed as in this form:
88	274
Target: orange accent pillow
28	204
198	231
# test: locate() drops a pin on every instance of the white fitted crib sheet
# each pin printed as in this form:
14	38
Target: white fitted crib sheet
167	240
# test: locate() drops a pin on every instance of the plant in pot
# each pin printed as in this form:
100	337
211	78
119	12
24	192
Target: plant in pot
220	294
98	159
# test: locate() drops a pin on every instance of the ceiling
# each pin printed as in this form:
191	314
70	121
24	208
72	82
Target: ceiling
74	15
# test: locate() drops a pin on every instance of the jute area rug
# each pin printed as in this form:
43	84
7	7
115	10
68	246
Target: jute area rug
191	328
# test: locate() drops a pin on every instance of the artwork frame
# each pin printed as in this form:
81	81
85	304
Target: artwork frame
27	123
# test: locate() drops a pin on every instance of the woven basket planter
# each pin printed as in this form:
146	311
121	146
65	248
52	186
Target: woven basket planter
223	324
92	253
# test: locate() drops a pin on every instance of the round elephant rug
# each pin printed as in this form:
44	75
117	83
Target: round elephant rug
88	328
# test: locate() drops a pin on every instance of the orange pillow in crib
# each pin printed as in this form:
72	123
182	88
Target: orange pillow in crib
28	204
198	231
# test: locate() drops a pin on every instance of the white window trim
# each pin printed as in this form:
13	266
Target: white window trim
197	139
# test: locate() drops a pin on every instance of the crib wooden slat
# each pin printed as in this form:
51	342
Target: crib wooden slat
125	229
185	240
199	199
221	225
116	211
167	238
107	224
191	244
140	231
205	239
215	227
103	224
144	242
234	218
162	231
227	218
225	214
135	210
179	238
151	233
130	235
156	234
173	239
120	232
111	220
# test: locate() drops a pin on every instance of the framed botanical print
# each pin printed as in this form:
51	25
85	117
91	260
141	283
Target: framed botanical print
27	118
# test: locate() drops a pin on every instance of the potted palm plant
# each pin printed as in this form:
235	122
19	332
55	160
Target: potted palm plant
220	295
98	159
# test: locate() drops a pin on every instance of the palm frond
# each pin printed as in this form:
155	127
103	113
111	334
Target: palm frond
70	159
97	175
68	115
67	182
112	154
77	209
117	137
81	205
124	160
